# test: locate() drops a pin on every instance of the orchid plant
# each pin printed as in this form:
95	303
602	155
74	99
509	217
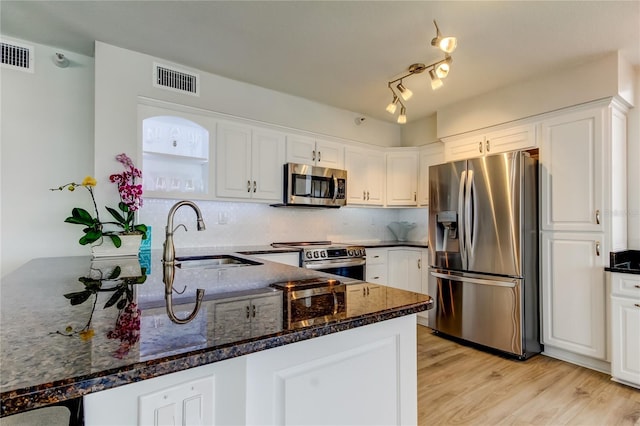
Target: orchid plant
130	201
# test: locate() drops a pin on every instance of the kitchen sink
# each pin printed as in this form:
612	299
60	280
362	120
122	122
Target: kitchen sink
213	262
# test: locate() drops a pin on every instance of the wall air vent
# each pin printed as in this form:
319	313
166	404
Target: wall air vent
17	56
175	79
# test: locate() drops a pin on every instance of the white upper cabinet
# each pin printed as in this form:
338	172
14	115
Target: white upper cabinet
366	175
572	157
478	144
314	152
249	162
176	149
402	178
430	155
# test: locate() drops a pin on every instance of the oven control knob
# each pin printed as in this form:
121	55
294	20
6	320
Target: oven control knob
309	255
315	254
350	252
323	254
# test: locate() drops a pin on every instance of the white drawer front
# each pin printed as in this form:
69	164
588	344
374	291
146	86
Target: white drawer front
625	285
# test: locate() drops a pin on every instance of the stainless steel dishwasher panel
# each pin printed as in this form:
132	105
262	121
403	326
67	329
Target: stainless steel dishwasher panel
482	309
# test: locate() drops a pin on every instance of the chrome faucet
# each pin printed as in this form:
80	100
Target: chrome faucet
169	254
169	261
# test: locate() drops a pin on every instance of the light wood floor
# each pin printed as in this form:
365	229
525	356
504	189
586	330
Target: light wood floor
459	385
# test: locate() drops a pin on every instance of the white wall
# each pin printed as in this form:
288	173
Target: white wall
46	141
420	132
605	77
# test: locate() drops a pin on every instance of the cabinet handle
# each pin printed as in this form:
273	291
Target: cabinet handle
254	310
376	278
598	217
637	286
367	195
254	186
419	263
319	156
364	292
367	291
415	196
248	186
637	305
480	147
488	146
597	248
364	195
313	155
248	311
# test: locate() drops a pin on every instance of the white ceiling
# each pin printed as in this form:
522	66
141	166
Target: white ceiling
343	53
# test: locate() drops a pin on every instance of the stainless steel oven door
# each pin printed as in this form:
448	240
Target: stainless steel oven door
350	268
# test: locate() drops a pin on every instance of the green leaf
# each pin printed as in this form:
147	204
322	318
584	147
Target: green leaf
114	298
80	217
117	242
141	228
78	297
91	236
116	215
115	273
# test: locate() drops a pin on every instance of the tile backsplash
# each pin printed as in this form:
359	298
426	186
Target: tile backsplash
241	224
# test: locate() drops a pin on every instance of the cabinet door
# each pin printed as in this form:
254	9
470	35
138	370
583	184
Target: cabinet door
625	339
510	139
233	161
430	155
267	158
463	148
232	321
266	315
355	162
402	178
405	269
366	176
571	172
574	293
301	149
329	154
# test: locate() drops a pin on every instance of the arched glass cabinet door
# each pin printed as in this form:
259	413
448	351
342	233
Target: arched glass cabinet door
175	154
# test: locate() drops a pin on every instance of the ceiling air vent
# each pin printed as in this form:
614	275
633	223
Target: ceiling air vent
175	79
17	56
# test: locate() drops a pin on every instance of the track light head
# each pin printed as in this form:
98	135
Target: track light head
391	108
402	118
436	83
446	44
404	92
442	69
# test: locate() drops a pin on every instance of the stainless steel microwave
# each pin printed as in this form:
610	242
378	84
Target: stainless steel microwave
312	186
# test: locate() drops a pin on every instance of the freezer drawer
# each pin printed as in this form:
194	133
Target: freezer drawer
482	309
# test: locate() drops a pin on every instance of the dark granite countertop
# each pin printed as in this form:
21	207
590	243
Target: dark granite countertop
56	348
626	262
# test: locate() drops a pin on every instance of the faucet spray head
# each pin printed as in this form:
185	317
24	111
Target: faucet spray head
200	225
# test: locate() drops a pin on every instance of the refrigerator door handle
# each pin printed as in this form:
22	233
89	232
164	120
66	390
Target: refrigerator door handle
461	227
468	218
511	284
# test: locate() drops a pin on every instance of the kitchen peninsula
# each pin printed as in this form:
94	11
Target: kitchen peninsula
98	330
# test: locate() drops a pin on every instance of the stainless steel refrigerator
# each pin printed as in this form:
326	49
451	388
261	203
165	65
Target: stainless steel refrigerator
483	251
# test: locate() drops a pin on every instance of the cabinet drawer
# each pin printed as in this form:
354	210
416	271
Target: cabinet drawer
625	285
376	257
377	273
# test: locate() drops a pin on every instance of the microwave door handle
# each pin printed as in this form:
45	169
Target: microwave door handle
461	210
335	187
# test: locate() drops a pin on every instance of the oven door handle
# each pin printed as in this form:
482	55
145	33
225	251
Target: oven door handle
338	264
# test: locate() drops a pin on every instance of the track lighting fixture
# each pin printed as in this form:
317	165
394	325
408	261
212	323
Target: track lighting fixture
437	71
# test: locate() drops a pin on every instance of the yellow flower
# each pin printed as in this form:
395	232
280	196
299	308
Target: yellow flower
89	181
86	335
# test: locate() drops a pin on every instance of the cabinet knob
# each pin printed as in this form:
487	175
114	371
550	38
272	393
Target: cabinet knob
597	248
480	147
598	217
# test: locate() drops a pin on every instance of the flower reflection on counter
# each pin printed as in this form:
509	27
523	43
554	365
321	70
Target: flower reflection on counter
109	277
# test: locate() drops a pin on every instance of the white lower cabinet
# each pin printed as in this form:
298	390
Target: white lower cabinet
574	293
625	328
405	269
360	297
363	376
